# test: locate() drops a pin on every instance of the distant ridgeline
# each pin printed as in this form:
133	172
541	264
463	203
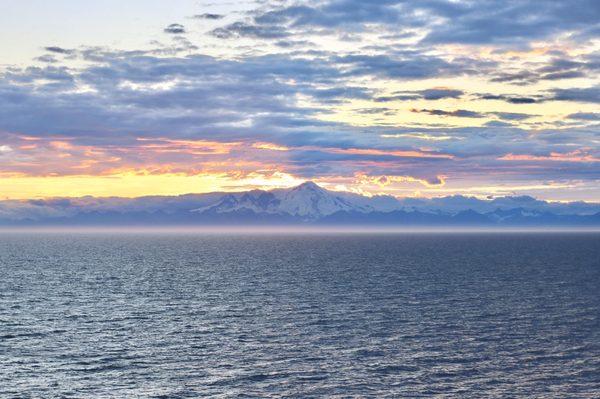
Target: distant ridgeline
306	204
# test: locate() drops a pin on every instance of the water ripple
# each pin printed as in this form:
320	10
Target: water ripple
186	316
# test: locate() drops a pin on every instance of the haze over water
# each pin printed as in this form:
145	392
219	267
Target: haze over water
280	315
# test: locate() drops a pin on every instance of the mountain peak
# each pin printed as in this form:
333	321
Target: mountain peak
309	185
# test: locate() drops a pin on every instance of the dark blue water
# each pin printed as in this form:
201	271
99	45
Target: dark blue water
177	316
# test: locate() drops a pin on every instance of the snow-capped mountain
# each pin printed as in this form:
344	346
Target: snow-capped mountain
307	203
312	202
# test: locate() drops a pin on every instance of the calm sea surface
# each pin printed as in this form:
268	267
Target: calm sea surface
192	315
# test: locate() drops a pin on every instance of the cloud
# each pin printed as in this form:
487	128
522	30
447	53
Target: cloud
58	50
47	59
375	110
586	95
174	29
383	180
510	98
242	29
585	116
468	22
410	65
422	136
511	116
575	94
209	16
477	22
437	93
499	124
555	69
459	113
563	75
301	106
440	93
293	43
397	97
330	14
339	94
573	156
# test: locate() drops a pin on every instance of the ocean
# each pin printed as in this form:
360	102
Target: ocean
186	315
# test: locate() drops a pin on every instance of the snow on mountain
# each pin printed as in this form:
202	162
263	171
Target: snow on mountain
310	201
257	201
307	201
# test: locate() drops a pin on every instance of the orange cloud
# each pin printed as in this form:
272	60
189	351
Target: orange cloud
573	156
194	147
386	180
394	153
270	146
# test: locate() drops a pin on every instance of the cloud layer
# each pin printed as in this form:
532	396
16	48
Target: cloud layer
483	94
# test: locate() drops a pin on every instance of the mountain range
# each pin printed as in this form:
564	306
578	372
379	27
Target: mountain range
306	204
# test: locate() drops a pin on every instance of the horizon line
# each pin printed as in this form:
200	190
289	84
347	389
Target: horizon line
290	229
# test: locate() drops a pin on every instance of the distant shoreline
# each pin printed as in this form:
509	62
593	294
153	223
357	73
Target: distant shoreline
217	230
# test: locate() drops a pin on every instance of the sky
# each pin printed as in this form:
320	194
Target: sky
412	98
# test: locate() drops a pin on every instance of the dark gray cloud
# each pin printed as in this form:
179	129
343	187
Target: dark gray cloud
175	29
585	95
406	64
469	21
293	43
511	116
397	97
428	94
58	50
509	22
330	13
563	75
375	111
575	94
513	99
498	124
460	113
437	94
237	98
47	58
556	69
585	116
242	29
339	94
55	78
209	16
518	78
283	21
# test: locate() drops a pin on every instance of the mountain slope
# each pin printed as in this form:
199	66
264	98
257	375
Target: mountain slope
307	201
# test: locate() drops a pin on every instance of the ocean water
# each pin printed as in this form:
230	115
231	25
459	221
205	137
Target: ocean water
347	315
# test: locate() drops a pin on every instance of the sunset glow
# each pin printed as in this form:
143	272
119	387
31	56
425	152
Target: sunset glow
409	99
